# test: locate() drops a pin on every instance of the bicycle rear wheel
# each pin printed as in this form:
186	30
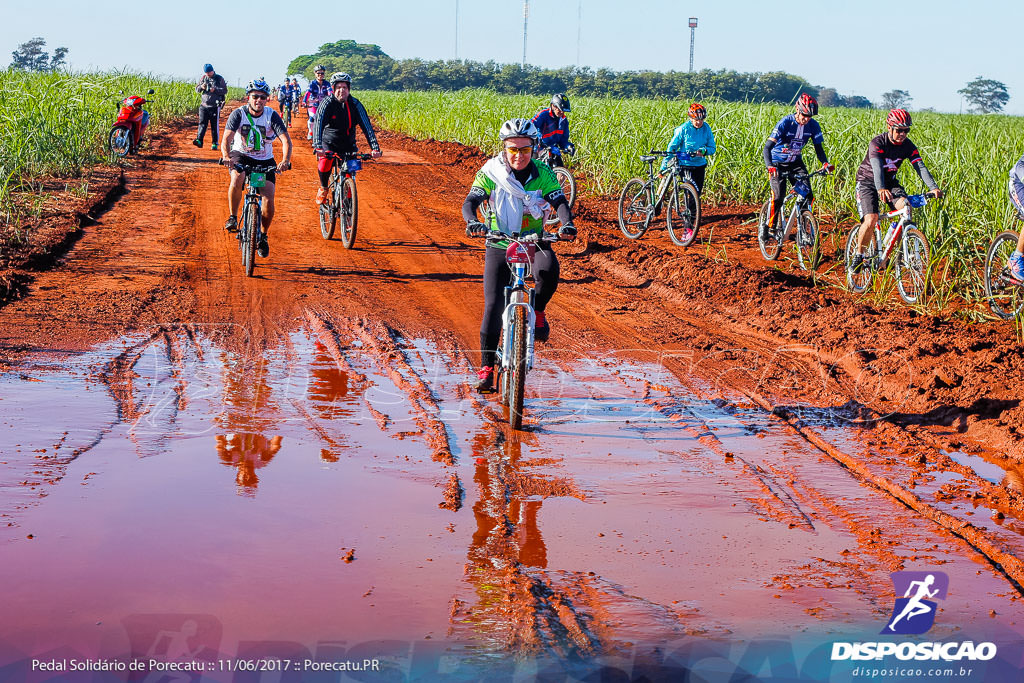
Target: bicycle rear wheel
329	211
635	209
683	215
349	212
568	184
517	368
859	282
1005	295
250	236
808	245
912	262
771	246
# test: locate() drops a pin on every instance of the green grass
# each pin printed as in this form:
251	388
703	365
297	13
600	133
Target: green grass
54	125
968	155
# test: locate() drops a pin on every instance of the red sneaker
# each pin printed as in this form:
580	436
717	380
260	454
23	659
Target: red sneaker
485	379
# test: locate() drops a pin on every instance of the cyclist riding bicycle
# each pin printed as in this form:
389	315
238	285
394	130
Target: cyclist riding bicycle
283	94
318	89
1016	262
335	129
553	125
696	139
783	154
249	140
876	177
519	190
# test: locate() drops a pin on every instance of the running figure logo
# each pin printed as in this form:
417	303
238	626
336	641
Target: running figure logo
915	612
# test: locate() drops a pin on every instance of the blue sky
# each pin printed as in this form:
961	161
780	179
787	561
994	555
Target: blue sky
929	48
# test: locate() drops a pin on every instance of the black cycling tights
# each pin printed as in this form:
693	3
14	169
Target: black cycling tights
497	276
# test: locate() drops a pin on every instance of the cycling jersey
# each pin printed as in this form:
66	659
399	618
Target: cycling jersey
1017	185
786	143
554	131
268	125
883	160
536	176
1017	172
316	92
335	125
687	138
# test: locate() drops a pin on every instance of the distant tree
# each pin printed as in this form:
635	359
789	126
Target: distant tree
896	99
31	56
828	97
857	102
985	95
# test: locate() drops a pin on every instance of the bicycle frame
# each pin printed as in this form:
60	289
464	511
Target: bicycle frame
895	230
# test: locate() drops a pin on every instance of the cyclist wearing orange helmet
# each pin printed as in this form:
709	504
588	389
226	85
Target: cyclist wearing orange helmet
876	177
783	153
695	139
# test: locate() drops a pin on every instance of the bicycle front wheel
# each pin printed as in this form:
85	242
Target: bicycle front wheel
349	212
911	263
770	243
1005	295
250	236
517	368
329	211
635	209
859	281
683	216
808	246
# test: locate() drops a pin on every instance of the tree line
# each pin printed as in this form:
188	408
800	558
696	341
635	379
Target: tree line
372	69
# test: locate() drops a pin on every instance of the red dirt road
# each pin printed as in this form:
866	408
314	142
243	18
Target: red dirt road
921	414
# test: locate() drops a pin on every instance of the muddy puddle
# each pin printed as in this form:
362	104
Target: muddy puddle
345	493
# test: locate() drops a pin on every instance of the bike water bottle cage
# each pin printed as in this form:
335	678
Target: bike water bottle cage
917	200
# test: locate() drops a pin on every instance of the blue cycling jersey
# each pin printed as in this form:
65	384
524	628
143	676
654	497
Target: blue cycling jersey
790	138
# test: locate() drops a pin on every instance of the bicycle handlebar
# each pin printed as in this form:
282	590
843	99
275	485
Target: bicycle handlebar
247	169
525	239
334	155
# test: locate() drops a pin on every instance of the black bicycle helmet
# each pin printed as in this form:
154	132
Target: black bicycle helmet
561	100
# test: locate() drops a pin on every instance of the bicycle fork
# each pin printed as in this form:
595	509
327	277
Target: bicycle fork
506	324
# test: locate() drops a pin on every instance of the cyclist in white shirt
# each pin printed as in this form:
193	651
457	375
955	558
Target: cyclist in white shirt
249	140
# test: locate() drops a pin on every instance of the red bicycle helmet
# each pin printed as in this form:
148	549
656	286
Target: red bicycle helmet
697	111
898	118
806	105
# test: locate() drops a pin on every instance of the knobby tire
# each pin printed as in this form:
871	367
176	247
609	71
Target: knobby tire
517	368
349	212
683	222
912	276
634	209
808	242
1005	298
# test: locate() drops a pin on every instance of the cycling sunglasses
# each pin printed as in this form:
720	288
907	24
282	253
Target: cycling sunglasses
258	96
519	150
901	129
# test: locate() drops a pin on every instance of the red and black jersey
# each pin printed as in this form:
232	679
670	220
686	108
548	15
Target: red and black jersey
883	161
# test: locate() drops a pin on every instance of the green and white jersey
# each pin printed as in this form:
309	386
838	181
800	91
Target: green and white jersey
540	179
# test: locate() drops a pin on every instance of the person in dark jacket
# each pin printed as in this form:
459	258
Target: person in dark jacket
213	88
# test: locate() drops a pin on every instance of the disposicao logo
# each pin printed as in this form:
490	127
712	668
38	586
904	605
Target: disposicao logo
914	613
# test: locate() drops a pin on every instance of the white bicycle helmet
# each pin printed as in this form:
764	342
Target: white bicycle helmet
340	77
519	128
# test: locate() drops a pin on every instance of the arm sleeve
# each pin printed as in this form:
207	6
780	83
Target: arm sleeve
561	206
709	148
922	171
769	145
364	123
318	126
474	199
876	170
819	149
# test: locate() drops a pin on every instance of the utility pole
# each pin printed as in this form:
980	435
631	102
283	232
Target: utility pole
693	28
526	16
579	30
456	29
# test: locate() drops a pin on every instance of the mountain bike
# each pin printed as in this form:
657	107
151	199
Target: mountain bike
801	219
1005	293
641	200
250	228
565	178
514	357
342	199
904	245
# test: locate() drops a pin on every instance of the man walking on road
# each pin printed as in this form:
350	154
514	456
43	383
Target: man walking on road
213	89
